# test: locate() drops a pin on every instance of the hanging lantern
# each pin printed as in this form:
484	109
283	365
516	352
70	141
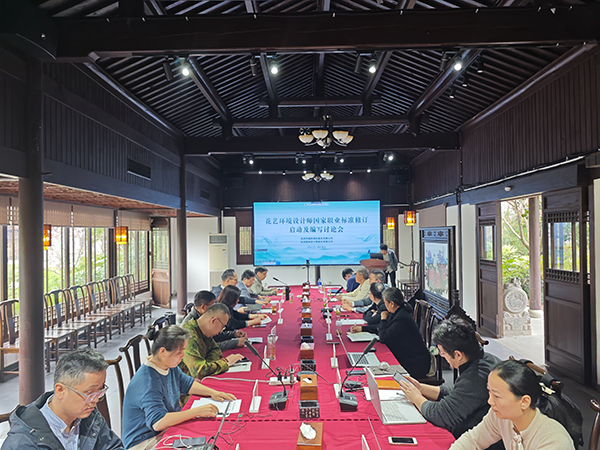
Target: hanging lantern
391	223
121	234
410	218
47	236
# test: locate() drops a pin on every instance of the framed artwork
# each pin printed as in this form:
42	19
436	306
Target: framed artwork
438	272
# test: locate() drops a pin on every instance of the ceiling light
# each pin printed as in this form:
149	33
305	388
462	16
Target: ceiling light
458	64
444	62
305	171
452	91
350	173
358	64
167	69
303	160
254	65
338	158
480	65
388	156
248	158
368	170
465	79
273	66
324	136
342	160
185	70
373	64
260	172
283	173
251	161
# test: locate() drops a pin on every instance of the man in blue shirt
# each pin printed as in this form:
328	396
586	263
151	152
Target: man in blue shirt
67	417
350	277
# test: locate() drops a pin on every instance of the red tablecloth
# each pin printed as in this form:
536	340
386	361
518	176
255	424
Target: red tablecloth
341	429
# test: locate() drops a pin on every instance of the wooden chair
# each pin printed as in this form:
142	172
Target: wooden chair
483	342
56	336
187	309
130	279
104	292
555	385
595	434
6	416
96	324
422	315
132	353
103	404
434	320
9	334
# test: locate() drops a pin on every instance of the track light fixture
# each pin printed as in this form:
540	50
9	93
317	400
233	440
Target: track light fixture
388	156
480	65
248	159
300	158
273	66
368	170
166	64
452	91
444	61
254	65
358	64
185	69
260	172
350	172
373	64
338	158
458	64
465	79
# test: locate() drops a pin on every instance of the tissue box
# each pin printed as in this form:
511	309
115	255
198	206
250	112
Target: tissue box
308	388
306	329
306	312
313	444
307	353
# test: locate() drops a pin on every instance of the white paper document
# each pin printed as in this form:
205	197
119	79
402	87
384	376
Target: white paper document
240	367
350	322
266	321
362	336
233	409
255	340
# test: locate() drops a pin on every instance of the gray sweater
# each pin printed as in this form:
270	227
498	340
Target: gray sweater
460	408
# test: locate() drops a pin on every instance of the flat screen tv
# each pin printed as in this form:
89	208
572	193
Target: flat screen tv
325	233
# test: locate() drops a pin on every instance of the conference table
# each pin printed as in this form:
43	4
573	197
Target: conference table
280	429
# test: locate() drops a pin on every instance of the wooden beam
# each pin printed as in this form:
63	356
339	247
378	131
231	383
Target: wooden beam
287	102
291	144
326	32
312	122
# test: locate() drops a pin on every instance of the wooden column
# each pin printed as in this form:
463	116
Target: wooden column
182	239
31	252
535	279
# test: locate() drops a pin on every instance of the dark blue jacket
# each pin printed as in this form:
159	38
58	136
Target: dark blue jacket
30	431
351	284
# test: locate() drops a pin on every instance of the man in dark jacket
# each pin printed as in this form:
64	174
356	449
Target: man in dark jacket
463	406
66	418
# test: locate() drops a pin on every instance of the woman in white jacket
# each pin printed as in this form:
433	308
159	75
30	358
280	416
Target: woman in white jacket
514	392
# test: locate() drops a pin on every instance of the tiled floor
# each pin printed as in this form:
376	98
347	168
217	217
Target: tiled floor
529	347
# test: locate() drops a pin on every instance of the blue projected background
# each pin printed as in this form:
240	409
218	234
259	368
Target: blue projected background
327	233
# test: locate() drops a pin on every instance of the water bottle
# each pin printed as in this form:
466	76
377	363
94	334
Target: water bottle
320	286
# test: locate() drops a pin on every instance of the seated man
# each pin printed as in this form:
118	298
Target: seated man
360	296
227	340
350	278
378	275
202	355
247	282
258	288
462	406
372	315
229	278
66	417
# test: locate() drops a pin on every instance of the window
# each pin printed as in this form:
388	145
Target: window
12	241
487	240
563	239
99	257
79	256
54	261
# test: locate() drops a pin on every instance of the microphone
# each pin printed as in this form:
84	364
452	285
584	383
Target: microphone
279	399
348	401
287	288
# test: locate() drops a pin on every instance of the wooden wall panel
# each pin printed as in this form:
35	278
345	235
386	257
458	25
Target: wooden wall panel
243	191
559	120
12	111
438	173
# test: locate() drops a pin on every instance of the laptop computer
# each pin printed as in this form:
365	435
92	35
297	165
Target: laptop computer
393	409
370	359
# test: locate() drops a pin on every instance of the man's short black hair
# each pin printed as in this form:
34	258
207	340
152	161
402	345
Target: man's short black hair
248	274
454	334
203	298
379	274
347	271
227	275
383	247
260	270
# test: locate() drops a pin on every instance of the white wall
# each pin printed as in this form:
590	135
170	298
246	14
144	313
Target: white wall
406	244
198	273
469	269
174	257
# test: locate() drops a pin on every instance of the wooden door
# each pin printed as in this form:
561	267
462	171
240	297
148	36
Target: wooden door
489	268
566	289
161	279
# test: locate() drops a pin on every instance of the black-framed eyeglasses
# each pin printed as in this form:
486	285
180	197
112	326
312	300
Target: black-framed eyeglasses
94	396
222	324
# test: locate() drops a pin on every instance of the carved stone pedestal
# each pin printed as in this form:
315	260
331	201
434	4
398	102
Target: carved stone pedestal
516	314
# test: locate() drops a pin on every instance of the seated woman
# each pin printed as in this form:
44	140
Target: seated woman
230	297
152	399
514	397
400	333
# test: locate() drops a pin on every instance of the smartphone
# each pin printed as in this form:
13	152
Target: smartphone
190	442
400	440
